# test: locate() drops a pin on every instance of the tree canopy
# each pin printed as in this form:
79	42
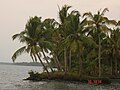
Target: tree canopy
87	44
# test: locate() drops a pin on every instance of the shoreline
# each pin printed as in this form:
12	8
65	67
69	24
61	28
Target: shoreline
72	78
110	81
106	82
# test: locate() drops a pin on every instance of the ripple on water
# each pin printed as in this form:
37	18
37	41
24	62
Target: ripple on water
11	79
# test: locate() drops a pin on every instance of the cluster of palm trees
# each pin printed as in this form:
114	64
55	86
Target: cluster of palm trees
87	44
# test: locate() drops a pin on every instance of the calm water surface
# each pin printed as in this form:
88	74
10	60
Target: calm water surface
11	79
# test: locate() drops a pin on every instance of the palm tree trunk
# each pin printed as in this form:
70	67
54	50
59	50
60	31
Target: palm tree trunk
116	66
58	63
32	57
43	64
35	57
70	60
65	59
47	61
111	71
99	56
80	63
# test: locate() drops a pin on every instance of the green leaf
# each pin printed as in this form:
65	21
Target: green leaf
18	52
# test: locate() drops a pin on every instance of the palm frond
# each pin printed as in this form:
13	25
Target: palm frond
112	22
104	28
83	22
88	14
18	52
63	13
90	22
15	36
18	35
45	44
118	23
104	11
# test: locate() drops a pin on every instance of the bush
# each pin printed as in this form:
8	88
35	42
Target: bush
34	76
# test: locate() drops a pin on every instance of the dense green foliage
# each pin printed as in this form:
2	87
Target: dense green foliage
87	44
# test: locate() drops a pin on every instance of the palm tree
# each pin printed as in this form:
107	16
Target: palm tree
63	14
73	36
30	37
69	30
98	24
115	36
75	43
107	54
111	49
50	29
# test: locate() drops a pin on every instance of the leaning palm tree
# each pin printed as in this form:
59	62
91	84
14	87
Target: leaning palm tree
30	37
49	34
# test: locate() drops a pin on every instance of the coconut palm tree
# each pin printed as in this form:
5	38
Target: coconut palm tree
51	35
75	43
98	22
111	50
74	38
115	36
30	37
63	14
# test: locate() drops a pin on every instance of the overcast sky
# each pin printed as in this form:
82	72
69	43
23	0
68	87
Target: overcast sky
15	13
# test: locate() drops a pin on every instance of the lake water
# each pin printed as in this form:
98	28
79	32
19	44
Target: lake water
11	78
